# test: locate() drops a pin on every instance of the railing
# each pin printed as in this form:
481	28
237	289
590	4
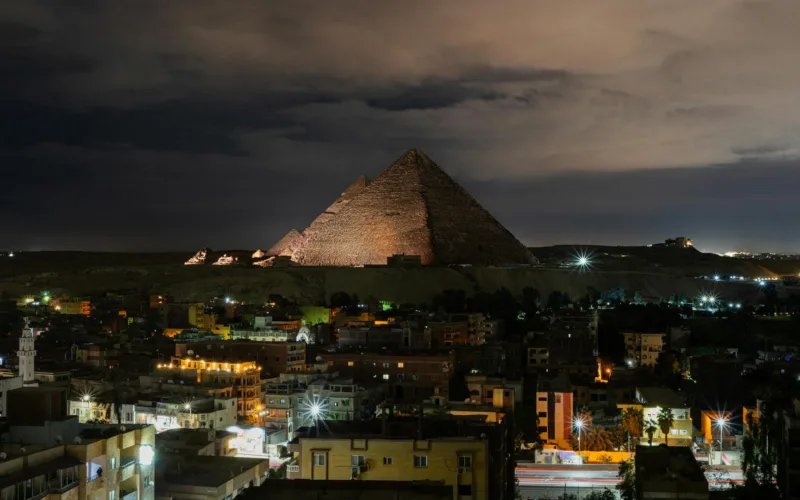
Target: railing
128	495
292	468
127	469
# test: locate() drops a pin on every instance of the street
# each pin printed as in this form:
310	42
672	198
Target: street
551	481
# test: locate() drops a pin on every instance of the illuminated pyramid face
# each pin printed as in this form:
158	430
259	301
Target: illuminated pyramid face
412	208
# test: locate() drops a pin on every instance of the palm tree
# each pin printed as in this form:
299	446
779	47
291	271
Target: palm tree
650	428
665	420
633	423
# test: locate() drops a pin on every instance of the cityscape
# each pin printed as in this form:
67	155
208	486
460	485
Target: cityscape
400	250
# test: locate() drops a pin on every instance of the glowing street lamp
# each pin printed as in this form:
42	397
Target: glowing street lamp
188	407
579	423
722	423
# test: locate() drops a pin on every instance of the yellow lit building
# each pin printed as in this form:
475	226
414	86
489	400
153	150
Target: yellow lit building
244	377
74	308
467	453
651	400
458	462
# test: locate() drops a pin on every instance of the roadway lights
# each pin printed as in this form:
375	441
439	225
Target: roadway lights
716	277
86	398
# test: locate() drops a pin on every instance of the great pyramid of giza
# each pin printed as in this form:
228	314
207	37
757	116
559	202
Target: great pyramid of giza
412	208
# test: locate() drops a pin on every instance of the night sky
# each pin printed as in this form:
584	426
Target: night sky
177	124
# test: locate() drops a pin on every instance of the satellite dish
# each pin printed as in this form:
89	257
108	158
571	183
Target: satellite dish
3	455
59	439
23	450
77	440
122	428
190	352
319	358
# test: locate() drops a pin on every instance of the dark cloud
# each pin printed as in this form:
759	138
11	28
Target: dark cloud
615	120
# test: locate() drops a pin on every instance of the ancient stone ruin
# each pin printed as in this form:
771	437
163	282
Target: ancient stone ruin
412	208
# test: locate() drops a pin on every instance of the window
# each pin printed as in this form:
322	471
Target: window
674	432
401	365
387	460
543	414
421	461
319	459
283	401
386	365
558	398
299	401
350	363
272	401
357	460
111	495
465	462
112	463
543	398
385	376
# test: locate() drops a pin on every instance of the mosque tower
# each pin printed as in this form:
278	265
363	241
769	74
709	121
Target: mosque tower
26	356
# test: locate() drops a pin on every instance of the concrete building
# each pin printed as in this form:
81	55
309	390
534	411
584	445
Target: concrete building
205	442
288	400
397	336
643	349
208	478
669	472
411	377
93	463
466	453
244	377
554	407
651	400
187	413
309	489
486	390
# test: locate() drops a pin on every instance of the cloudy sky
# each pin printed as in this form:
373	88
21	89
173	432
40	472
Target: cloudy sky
153	124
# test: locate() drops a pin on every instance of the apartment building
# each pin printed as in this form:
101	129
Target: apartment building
93	463
554	407
643	349
244	377
202	477
288	399
466	453
789	461
410	376
395	336
498	391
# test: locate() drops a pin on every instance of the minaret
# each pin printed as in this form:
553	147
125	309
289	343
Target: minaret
26	356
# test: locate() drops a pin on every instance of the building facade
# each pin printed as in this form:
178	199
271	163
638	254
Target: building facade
643	349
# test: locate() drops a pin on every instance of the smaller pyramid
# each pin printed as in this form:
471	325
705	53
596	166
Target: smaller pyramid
287	245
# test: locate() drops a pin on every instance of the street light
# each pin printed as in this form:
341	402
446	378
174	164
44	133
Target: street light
188	407
579	424
722	423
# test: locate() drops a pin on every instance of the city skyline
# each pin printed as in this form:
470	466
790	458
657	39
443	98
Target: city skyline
572	123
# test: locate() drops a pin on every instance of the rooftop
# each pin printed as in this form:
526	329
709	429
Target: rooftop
302	489
203	470
670	464
661	396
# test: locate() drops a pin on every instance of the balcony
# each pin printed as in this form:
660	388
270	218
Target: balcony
127	468
293	471
128	495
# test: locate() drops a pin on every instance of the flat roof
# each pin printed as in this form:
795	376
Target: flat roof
203	470
667	464
661	396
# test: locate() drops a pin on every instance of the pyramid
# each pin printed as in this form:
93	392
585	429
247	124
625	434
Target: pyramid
412	208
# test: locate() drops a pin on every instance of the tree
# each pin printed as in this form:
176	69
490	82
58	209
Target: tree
600	495
665	419
341	300
627	483
650	428
759	457
526	421
633	422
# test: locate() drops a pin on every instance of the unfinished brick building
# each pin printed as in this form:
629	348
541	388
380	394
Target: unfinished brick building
412	208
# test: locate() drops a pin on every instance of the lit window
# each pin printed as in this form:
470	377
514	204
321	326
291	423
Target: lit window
385	376
319	459
349	363
357	460
387	460
401	365
420	461
465	462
